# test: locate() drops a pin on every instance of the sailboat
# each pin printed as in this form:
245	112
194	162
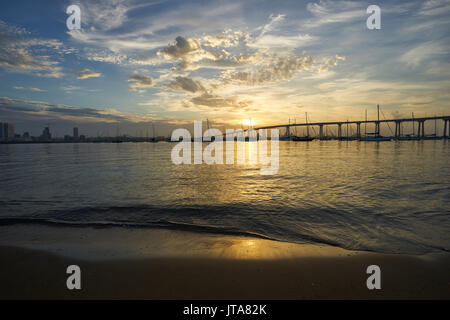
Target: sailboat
409	137
307	137
326	136
433	136
288	136
375	136
153	139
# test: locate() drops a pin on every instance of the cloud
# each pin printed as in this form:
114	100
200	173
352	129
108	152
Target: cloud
86	74
140	82
70	88
116	43
326	12
29	88
277	36
435	7
126	26
20	59
228	38
415	56
187	51
277	42
280	69
215	101
105	56
34	109
103	14
330	62
186	84
180	48
16	52
227	62
274	21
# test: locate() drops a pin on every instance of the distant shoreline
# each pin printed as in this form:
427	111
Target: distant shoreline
48	142
138	141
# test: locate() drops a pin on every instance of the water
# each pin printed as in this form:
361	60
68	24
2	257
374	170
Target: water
384	197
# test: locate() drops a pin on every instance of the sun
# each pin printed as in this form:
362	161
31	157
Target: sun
248	122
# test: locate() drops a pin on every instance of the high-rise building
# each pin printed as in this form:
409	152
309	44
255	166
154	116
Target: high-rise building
46	135
75	133
10	131
6	131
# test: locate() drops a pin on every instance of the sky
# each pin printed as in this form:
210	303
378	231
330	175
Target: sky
168	63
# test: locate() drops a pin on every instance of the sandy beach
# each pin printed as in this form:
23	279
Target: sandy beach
184	265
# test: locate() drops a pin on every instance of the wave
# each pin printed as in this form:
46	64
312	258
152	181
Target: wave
350	230
161	224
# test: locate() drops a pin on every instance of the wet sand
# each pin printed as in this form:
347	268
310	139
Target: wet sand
34	261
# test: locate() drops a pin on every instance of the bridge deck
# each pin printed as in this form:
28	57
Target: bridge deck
353	122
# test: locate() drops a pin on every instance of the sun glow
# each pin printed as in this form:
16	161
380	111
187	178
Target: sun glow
248	122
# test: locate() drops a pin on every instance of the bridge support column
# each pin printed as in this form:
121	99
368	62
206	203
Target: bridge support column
445	128
397	129
340	131
321	131
423	128
358	130
419	123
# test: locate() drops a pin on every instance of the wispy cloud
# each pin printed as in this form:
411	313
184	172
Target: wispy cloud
326	12
16	52
86	74
215	101
435	7
186	84
59	111
140	82
415	56
28	88
281	69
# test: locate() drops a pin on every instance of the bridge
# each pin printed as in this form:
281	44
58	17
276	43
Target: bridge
398	122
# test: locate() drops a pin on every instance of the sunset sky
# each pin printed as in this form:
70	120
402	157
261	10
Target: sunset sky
172	62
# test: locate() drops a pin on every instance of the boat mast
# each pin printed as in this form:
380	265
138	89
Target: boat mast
378	122
365	125
153	127
307	127
288	129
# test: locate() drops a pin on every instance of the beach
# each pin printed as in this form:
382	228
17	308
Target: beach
123	263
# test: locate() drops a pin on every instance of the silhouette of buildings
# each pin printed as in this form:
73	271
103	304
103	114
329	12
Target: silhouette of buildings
6	131
46	135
